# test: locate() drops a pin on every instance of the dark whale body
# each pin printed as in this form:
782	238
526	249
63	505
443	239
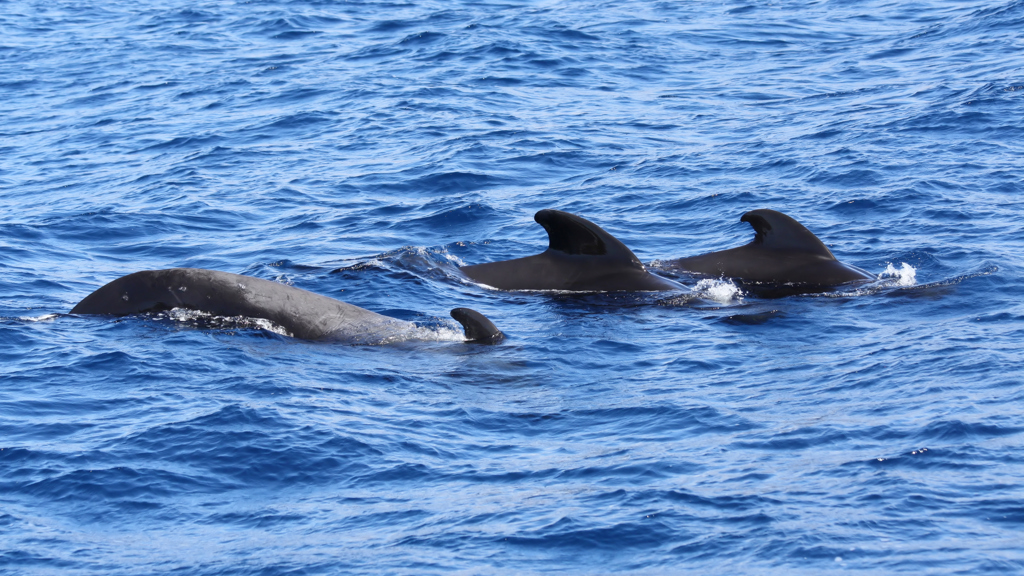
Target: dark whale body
303	314
784	255
580	257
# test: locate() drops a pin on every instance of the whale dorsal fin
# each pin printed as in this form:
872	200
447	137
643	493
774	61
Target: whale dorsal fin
571	234
581	257
478	327
776	231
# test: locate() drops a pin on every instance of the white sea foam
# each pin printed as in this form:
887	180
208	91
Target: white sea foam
439	333
43	318
906	275
722	291
452	258
187	316
443	332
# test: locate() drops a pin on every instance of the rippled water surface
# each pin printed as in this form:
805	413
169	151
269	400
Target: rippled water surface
366	150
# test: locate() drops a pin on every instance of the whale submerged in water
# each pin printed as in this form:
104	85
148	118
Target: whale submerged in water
784	257
303	314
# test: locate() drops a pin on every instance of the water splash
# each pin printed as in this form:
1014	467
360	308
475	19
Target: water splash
43	318
906	275
722	291
442	331
199	319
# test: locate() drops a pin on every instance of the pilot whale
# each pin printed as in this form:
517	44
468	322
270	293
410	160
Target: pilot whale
784	258
580	257
783	253
303	314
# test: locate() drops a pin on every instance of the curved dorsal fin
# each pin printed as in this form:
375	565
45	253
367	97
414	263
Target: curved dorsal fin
776	231
571	234
478	327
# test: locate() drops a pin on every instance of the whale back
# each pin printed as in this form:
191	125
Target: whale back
581	256
783	252
301	313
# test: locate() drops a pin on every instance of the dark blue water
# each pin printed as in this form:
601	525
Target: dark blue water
365	150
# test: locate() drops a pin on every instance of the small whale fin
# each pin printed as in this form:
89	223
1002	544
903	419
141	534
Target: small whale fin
776	231
478	328
573	235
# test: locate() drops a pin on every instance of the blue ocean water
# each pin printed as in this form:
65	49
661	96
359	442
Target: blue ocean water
365	150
